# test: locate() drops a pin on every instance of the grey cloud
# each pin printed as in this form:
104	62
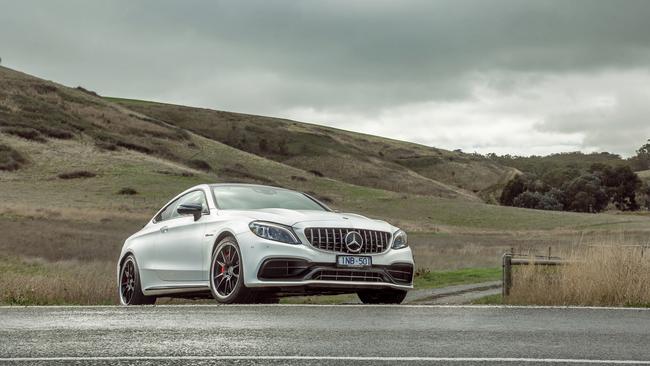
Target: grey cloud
354	57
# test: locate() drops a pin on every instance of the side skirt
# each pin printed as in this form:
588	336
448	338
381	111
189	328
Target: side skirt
175	289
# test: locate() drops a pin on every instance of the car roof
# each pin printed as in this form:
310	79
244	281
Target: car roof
245	185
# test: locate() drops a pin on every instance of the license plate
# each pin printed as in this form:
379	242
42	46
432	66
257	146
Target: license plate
353	261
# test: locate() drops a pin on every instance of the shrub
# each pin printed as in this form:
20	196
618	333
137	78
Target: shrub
105	145
11	159
540	201
127	191
56	133
317	173
621	185
89	92
135	147
25	132
178	174
199	164
514	188
585	194
263	145
77	174
45	88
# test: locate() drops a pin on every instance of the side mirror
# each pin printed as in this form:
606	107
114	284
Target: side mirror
190	209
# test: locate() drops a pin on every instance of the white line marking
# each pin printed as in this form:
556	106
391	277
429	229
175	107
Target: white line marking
328	358
324	306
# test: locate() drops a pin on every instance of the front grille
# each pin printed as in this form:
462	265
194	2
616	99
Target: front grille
333	239
350	276
402	273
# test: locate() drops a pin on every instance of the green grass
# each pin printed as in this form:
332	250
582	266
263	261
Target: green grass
425	281
489	300
319	300
464	276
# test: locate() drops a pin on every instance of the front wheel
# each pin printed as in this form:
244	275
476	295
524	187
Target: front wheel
381	296
227	274
130	286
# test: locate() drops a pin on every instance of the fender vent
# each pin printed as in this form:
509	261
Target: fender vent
401	273
279	269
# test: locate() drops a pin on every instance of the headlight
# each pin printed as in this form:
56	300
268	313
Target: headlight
400	240
276	232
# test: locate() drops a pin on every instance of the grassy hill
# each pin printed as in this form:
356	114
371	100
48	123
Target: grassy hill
159	149
79	173
346	156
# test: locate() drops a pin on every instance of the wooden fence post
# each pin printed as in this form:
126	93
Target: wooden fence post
506	274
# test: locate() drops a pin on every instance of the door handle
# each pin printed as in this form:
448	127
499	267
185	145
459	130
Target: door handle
164	229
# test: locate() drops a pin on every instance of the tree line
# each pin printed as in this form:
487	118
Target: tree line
571	187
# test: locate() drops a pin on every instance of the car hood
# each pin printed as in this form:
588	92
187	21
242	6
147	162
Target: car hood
309	218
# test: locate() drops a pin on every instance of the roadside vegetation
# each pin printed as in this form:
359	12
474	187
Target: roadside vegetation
597	276
489	300
41	282
436	279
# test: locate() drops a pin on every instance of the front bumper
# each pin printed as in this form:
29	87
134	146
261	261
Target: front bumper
319	267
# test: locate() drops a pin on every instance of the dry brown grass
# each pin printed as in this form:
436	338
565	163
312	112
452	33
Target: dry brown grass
448	251
597	276
39	282
57	238
10	158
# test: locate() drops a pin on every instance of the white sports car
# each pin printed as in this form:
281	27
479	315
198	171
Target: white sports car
250	243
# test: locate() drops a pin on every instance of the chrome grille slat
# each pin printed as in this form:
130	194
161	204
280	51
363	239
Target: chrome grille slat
359	276
333	239
327	239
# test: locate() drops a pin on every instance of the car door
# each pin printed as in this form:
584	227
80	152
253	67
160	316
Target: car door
179	248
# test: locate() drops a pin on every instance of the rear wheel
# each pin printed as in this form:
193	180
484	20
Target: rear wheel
130	286
227	275
381	296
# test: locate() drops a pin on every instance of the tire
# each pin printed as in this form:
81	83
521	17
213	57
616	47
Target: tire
381	296
129	287
227	275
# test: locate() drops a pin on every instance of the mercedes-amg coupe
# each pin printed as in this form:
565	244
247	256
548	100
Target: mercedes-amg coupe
250	243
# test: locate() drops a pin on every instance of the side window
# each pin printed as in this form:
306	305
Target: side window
166	214
195	198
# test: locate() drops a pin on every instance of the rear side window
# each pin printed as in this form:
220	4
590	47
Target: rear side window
194	197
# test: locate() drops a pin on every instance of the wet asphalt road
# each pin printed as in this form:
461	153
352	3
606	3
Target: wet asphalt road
306	335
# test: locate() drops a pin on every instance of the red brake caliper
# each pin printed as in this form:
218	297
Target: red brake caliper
223	268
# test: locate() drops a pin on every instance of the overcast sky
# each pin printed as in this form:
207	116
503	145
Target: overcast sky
518	77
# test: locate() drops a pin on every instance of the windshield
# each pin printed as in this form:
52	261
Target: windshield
257	197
